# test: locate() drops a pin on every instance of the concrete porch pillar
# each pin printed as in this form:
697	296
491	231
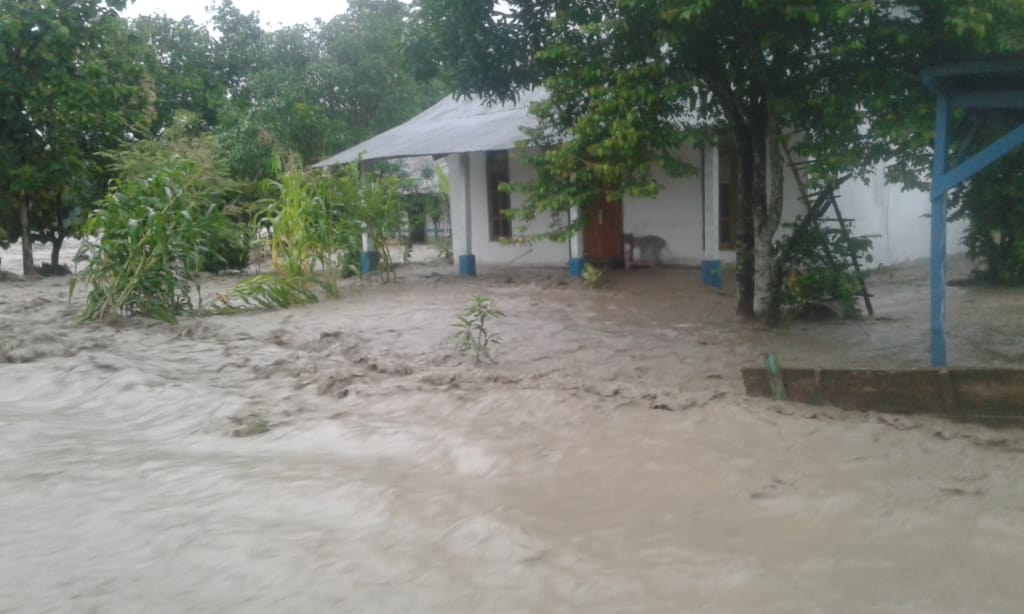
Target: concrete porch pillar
368	258
575	247
711	263
467	260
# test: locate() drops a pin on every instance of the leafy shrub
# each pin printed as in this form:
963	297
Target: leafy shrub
592	276
993	205
49	270
228	246
445	251
820	268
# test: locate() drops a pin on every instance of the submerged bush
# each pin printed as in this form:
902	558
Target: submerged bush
993	205
821	270
227	247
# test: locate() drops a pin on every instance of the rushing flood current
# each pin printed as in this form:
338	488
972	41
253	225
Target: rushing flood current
337	458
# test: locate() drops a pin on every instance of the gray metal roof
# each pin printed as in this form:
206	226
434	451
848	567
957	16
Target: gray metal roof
450	126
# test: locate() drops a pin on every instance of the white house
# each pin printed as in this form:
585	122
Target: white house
695	215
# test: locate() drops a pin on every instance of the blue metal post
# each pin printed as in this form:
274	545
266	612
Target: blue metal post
576	268
938	241
711	273
368	262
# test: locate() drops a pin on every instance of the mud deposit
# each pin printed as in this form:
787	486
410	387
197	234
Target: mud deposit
338	458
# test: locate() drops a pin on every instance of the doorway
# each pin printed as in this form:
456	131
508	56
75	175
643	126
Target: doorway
602	236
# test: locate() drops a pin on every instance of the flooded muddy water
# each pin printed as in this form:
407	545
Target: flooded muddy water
338	457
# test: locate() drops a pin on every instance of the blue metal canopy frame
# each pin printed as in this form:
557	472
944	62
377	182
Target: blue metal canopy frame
996	84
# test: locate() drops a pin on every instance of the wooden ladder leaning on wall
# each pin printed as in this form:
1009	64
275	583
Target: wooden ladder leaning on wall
817	205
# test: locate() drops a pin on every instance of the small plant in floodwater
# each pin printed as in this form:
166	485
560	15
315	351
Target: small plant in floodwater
249	426
473	337
592	276
444	251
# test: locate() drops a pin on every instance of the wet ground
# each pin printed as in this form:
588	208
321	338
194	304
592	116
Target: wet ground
339	457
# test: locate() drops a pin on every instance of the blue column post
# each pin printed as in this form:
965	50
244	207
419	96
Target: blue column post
938	236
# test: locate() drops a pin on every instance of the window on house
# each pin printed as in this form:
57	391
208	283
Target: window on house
498	200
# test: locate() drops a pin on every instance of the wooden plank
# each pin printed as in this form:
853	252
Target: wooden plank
961	394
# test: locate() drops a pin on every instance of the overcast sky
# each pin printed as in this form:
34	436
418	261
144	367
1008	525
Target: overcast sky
273	13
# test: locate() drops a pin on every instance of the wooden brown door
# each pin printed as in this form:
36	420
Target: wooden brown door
602	237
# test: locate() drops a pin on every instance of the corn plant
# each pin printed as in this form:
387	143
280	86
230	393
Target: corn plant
473	337
152	230
315	232
303	240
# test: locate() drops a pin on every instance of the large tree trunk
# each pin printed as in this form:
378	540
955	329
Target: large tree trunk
745	225
761	240
766	221
760	214
28	266
56	244
59	233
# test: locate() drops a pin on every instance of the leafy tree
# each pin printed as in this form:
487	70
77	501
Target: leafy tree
290	100
630	80
240	50
70	87
313	90
993	205
370	82
182	63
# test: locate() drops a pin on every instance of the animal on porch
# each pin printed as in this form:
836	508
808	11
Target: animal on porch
649	247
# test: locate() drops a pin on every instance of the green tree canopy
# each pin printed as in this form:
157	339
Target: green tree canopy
632	79
182	63
70	86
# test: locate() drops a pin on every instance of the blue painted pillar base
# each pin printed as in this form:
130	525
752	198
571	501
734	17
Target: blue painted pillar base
368	262
711	273
467	265
576	268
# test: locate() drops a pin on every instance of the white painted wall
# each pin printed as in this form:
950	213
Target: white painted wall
676	215
898	216
493	252
878	208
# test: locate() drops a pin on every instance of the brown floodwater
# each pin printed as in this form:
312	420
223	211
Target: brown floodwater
338	457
